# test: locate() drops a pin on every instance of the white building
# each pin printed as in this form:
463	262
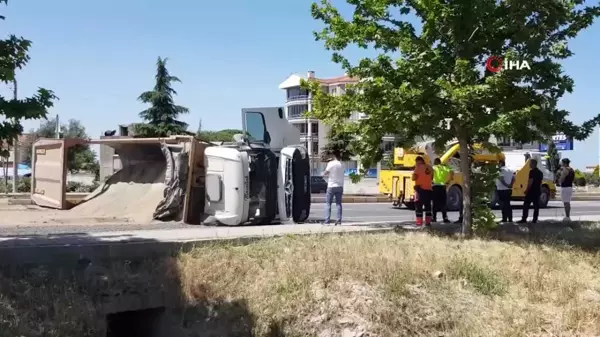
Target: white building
314	132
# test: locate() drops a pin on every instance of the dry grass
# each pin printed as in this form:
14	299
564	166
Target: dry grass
402	285
350	285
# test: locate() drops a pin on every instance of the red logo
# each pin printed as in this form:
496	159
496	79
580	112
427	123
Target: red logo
494	64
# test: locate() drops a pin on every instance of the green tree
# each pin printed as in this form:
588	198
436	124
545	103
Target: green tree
340	142
225	135
161	117
553	158
14	55
423	77
80	158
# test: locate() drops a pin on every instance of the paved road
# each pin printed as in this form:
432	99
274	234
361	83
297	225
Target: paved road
353	213
384	212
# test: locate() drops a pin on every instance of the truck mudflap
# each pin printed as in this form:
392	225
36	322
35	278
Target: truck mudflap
294	184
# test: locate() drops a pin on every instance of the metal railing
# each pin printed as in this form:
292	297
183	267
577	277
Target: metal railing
297	98
297	115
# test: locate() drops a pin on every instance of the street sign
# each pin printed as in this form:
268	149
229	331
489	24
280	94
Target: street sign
562	142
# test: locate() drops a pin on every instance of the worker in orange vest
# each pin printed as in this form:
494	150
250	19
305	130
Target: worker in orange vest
423	178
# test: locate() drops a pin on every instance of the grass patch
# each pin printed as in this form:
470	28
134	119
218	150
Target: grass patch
384	284
483	279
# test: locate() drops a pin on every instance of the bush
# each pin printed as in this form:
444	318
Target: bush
592	179
77	187
24	185
483	179
580	182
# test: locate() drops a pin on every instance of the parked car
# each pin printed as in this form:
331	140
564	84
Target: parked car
318	184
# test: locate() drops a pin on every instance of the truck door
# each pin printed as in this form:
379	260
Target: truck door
269	125
255	128
49	173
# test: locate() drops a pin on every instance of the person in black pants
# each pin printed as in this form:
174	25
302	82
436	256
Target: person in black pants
504	185
533	192
442	175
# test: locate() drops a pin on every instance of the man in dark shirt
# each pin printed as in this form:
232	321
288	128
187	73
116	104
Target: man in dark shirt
533	192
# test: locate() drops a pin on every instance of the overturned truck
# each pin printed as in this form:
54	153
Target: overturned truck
256	179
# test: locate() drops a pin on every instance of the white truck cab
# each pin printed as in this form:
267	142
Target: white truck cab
264	176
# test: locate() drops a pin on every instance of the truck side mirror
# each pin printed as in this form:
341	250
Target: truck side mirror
267	137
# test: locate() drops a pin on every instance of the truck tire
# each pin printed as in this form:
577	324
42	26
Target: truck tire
544	197
454	198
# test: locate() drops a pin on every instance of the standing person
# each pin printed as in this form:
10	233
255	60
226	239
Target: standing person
335	187
533	192
442	174
565	180
423	178
504	185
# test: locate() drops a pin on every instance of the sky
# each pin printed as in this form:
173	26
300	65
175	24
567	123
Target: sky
98	56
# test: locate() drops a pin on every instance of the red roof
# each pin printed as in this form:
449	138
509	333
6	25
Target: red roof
340	79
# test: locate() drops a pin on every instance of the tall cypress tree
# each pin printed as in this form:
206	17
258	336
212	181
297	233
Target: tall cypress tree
161	117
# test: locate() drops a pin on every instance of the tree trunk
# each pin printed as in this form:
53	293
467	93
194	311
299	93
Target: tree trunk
465	168
15	147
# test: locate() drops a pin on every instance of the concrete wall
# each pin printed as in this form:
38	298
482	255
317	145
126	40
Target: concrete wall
365	186
82	178
106	158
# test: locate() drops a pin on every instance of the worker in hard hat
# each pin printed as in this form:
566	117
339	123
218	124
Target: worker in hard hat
423	178
442	175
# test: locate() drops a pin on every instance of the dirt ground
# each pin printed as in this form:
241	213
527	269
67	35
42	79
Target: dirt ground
129	196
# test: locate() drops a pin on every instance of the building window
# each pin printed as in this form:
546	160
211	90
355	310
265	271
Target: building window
297	111
315	147
333	90
297	93
302	128
504	141
315	129
388	146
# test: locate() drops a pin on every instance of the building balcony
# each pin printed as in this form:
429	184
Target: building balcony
301	116
298	98
305	136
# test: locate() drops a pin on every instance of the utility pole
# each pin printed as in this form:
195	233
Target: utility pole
57	127
15	147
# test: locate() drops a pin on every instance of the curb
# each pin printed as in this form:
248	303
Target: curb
72	254
24	198
355	199
27	195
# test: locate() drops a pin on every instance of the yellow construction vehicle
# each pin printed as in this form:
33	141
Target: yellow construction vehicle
396	182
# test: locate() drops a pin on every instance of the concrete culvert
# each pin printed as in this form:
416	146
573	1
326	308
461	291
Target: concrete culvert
139	323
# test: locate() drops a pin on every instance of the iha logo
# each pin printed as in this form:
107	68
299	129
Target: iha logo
496	64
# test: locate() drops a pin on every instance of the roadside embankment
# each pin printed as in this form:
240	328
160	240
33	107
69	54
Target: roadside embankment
394	284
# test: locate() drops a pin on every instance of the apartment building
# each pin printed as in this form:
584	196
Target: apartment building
313	131
24	142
